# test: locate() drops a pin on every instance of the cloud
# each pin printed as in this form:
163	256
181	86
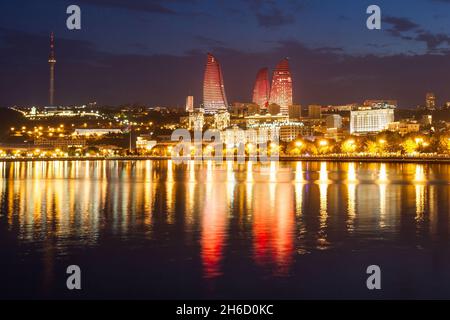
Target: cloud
406	29
433	41
400	24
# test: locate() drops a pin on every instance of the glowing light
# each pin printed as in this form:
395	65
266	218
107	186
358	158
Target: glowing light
249	171
383	173
419	175
273	172
323	174
351	175
299	173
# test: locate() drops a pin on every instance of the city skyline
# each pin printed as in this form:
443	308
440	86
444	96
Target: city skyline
341	62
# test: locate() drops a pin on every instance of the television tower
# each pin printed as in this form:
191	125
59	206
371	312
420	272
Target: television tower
52	62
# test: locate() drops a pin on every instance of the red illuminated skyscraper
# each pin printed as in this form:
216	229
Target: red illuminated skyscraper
214	97
281	92
262	89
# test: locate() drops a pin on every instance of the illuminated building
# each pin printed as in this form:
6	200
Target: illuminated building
368	120
341	108
52	62
190	103
315	111
334	121
427	119
233	136
214	96
258	135
404	127
265	119
96	131
61	143
241	109
281	91
430	101
222	119
145	143
380	103
295	111
196	120
292	130
261	90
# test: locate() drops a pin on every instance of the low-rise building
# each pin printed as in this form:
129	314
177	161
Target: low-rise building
404	127
59	143
144	142
96	131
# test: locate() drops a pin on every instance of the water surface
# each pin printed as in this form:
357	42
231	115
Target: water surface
290	230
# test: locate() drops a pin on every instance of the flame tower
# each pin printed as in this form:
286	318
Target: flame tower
214	97
281	92
262	89
52	62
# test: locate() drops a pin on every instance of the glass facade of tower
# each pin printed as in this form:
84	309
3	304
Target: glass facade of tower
262	89
214	97
281	92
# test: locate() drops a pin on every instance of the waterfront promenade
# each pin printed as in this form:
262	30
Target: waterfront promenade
328	158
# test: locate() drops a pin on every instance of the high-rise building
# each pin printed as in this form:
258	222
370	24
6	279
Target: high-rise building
52	62
295	111
315	111
281	91
190	103
334	121
214	96
261	90
430	101
370	120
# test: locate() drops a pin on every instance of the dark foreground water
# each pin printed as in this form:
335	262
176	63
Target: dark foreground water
156	229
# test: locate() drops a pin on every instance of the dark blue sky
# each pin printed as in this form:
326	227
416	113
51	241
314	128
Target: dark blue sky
153	52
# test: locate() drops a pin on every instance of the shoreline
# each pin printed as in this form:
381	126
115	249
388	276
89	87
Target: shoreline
399	159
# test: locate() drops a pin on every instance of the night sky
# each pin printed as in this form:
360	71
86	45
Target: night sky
153	52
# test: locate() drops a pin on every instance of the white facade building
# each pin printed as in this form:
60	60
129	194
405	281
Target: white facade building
370	120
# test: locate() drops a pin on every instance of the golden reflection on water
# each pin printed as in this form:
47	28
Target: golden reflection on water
288	208
351	194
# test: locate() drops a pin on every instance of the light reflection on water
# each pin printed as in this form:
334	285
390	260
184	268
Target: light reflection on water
276	213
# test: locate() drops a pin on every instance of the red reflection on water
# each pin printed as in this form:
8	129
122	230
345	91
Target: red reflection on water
273	226
213	229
